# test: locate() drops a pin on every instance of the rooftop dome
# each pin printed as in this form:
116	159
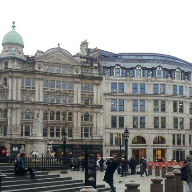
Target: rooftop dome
13	37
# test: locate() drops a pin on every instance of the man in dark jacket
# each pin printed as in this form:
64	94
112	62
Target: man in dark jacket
123	166
188	165
21	166
101	164
132	165
144	164
111	167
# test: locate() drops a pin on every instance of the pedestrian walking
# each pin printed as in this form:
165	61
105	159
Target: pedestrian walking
132	165
188	166
101	164
124	166
144	164
111	167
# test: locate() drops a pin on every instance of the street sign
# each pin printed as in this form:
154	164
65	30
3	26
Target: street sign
90	169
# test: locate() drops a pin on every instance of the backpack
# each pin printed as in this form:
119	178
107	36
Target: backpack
184	175
17	165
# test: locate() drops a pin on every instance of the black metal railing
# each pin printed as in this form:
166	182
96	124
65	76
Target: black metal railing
40	163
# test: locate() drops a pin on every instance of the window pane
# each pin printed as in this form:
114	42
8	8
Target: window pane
180	107
142	122
156	122
113	87
45	84
135	105
51	131
174	106
142	105
86	87
70	85
190	91
163	122
135	88
69	131
190	108
156	105
138	72
175	123
162	106
159	73
64	85
175	89
121	87
58	69
27	130
190	123
178	139
135	122
114	105
45	131
142	88
117	139
117	72
86	100
58	84
111	138
52	84
181	123
162	89
28	82
121	122
114	122
121	105
180	90
155	89
173	139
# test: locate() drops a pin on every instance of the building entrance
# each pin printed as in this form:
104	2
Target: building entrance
158	154
179	155
138	154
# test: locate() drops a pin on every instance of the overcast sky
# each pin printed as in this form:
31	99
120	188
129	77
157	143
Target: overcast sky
163	26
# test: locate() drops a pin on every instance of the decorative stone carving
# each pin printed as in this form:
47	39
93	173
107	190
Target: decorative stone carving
39	66
49	153
21	151
37	127
59	57
35	152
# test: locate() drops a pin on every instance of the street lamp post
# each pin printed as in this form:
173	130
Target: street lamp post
64	137
126	135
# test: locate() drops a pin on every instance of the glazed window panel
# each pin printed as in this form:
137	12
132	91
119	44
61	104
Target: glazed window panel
158	73
21	130
190	108
162	88
142	105
156	122
142	122
180	107
142	88
156	105
70	85
45	115
117	72
70	116
181	122
27	130
86	87
117	138
155	88
138	71
135	88
52	69
113	105
183	139
58	99
177	75
58	84
190	123
135	122
28	82
58	116
114	122
173	139
163	122
180	90
70	70
121	122
190	91
52	84
51	131
70	99
113	87
175	89
45	131
58	69
64	69
45	83
109	72
57	131
135	105
175	123
111	138
45	98
162	106
121	105
64	85
178	139
52	115
69	131
86	100
121	87
174	106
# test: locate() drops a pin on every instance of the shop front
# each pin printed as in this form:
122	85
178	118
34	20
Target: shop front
179	154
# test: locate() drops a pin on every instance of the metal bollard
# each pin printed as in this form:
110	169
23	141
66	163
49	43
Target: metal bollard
157	170
88	189
169	168
163	171
179	182
156	186
150	169
170	182
176	167
132	186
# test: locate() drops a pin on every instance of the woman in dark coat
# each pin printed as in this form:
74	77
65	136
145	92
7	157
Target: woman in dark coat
111	167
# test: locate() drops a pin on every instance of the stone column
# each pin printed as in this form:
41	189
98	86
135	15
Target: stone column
88	189
163	171
79	92
150	169
179	182
19	89
10	89
40	90
95	94
132	186
157	170
14	88
156	186
75	127
169	168
170	182
99	96
94	123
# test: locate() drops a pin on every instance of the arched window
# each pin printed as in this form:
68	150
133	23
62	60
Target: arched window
70	116
5	113
117	71
63	116
45	115
58	116
138	140
52	114
1	113
27	114
86	117
177	74
159	140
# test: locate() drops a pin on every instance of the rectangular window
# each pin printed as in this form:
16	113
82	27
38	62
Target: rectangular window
155	88
114	122
86	132
190	108
159	73
135	105
21	130
70	70
175	123
123	139
156	105
173	139
4	130
86	100
121	87
28	82
45	98
181	122
113	87
51	131
57	99
121	105
138	71
190	123
121	122
135	88
58	84
45	131
156	122
162	88
142	88
135	122
142	122
109	72
81	86
69	131
58	69
91	87
52	69
52	84
117	72
45	84
180	107
111	138
5	81
64	85
190	91
163	122
180	90
178	139
70	85
70	99
86	87
27	130
142	105
175	89
113	105
57	131
174	106
162	106
117	138
64	69
189	139
183	139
